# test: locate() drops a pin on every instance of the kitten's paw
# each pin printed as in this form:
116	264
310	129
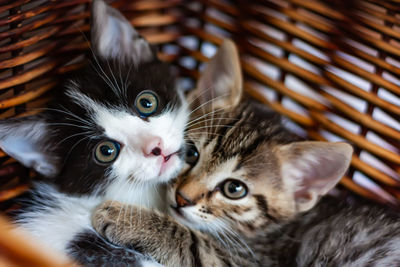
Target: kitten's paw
105	219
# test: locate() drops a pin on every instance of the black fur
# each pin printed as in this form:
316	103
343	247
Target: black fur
65	136
79	174
89	249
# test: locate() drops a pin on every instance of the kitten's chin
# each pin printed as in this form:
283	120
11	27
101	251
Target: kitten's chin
180	217
160	172
193	222
170	168
183	218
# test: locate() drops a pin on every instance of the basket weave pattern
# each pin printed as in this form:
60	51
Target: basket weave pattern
332	69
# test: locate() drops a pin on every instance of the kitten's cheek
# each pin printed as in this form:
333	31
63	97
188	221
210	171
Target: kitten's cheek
170	167
182	216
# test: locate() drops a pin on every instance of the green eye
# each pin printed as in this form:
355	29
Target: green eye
107	151
146	103
234	189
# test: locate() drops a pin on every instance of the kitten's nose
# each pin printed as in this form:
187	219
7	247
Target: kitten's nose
153	147
182	201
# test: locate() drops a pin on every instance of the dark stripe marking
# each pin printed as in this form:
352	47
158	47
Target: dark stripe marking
195	250
263	206
173	231
222	132
223	256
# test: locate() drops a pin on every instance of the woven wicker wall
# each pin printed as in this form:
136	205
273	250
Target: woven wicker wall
333	70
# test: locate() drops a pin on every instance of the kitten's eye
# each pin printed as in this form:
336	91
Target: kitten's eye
192	155
146	103
107	151
234	189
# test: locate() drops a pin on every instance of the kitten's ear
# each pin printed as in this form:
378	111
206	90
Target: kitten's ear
25	140
113	36
310	169
222	79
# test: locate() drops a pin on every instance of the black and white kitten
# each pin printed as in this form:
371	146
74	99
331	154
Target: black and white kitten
115	131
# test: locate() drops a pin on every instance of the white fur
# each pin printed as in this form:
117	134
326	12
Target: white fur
31	157
55	226
131	131
22	144
134	178
148	263
192	219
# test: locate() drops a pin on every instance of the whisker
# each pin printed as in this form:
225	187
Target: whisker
222	110
201	94
108	81
208	127
208	102
220	118
70	124
69	152
71	136
67	112
115	80
239	241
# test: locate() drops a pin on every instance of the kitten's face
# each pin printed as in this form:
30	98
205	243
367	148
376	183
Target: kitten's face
120	142
117	124
245	170
235	183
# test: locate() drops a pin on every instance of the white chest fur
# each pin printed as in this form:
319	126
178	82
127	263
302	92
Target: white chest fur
55	222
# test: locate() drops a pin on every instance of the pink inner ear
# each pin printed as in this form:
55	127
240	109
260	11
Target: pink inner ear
318	175
313	168
303	194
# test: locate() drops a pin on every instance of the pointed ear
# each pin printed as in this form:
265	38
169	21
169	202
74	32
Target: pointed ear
310	169
25	140
221	80
113	36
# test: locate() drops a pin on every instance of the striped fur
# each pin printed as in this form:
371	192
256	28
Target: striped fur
279	222
265	230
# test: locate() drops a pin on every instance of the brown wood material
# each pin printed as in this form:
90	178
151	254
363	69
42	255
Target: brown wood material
334	49
18	249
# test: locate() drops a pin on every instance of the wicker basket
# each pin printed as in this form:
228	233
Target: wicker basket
332	69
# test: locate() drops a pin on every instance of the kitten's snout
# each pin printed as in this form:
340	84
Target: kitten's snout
153	147
182	201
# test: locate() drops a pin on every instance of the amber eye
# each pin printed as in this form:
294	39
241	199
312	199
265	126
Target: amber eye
146	103
192	155
107	151
234	189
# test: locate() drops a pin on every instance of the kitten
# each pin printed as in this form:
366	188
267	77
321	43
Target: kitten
251	182
115	131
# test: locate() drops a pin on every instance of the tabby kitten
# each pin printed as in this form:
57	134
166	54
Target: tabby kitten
254	183
115	131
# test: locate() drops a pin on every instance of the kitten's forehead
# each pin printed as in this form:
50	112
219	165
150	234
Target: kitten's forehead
238	133
220	171
116	84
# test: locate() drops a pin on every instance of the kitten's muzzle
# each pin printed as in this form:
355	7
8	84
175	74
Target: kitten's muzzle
182	201
154	147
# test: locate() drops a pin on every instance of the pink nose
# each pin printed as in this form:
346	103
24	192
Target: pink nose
153	147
